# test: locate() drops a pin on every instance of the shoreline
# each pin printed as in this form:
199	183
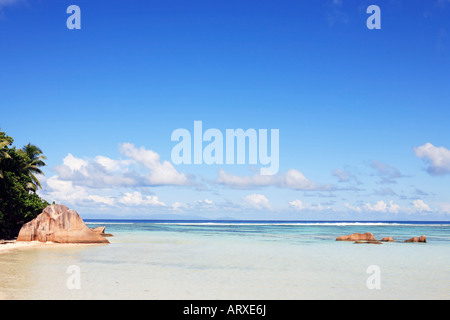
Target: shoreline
13	245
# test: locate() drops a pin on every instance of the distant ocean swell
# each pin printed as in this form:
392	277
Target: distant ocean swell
270	223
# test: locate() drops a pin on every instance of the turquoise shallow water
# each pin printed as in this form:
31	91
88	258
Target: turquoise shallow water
304	231
236	260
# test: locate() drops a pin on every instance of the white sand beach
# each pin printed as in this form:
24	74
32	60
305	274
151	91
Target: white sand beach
8	245
12	245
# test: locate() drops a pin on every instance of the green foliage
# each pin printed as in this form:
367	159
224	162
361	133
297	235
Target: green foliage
19	202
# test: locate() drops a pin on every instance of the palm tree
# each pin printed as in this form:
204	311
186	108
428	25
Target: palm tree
33	161
3	153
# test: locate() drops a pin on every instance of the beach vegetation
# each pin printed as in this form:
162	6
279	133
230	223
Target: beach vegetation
19	172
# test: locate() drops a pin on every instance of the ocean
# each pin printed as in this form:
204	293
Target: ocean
250	260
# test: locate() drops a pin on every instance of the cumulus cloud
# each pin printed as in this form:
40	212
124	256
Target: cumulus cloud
292	179
102	199
104	172
394	208
64	191
418	206
160	173
437	158
421	206
296	204
106	181
100	172
256	201
382	206
136	199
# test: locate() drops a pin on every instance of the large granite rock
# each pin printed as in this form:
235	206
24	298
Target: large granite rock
357	237
57	223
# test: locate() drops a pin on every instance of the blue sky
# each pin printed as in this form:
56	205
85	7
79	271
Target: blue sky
363	114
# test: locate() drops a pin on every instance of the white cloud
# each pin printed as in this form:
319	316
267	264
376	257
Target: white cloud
102	199
391	207
161	173
437	158
256	201
100	172
394	208
136	199
104	172
112	165
75	164
420	206
292	179
382	206
64	191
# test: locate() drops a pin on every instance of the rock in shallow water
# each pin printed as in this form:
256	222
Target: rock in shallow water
357	237
101	231
417	239
369	242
